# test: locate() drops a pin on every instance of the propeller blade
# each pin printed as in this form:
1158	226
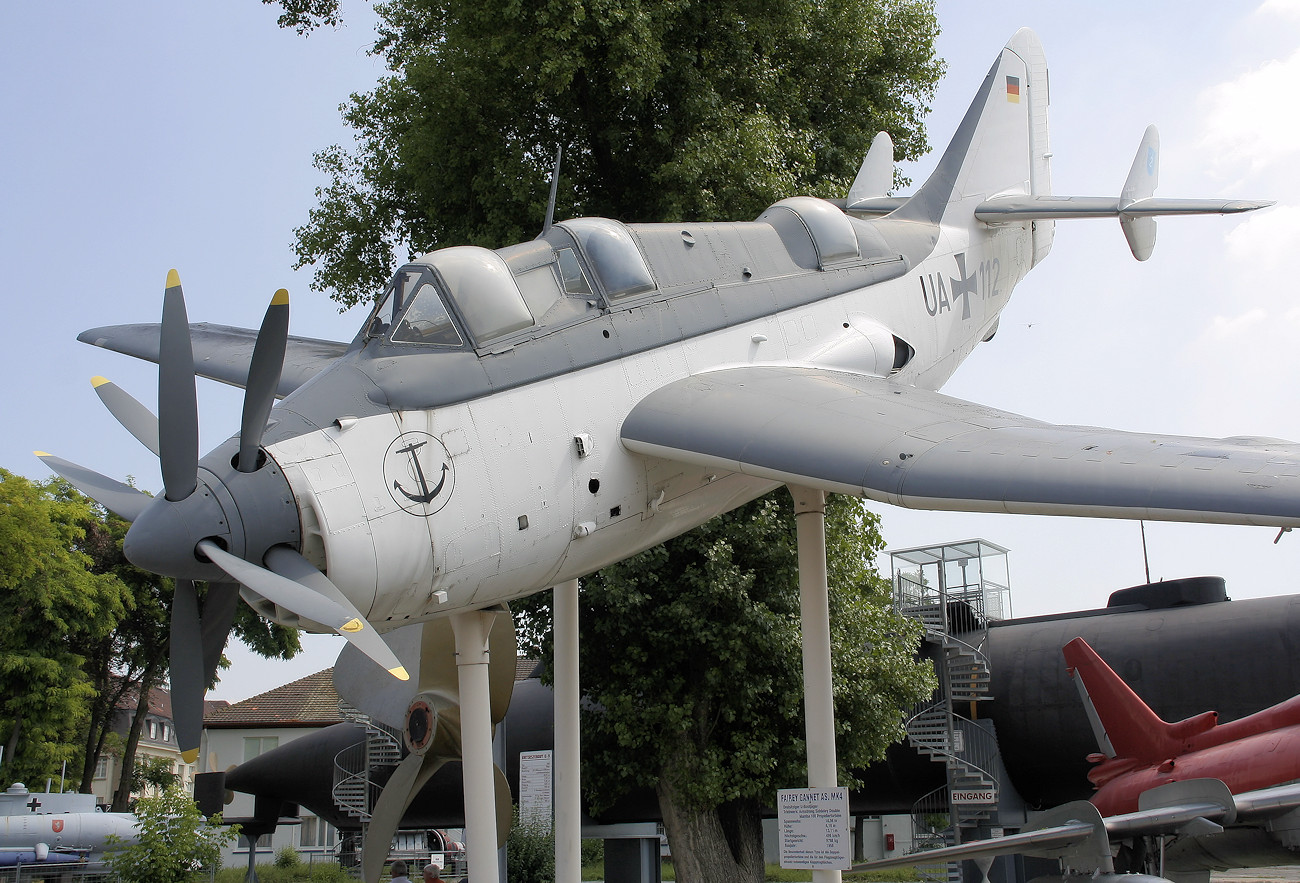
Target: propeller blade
113	495
263	379
505	804
298	586
407	780
196	645
187	683
178	409
138	420
218	616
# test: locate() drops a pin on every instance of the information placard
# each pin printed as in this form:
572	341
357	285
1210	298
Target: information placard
535	789
814	828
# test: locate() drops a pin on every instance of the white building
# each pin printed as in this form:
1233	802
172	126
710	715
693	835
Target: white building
233	734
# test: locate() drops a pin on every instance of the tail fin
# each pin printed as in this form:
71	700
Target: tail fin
876	177
1001	146
1123	724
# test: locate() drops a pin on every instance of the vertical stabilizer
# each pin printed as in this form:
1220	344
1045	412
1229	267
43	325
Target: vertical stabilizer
876	177
1141	184
1000	147
1123	724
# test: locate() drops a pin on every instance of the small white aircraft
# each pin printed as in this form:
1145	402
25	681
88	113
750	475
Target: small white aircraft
508	421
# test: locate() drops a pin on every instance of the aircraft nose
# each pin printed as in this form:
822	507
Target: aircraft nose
244	512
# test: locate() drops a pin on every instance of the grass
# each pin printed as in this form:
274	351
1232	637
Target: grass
596	871
319	872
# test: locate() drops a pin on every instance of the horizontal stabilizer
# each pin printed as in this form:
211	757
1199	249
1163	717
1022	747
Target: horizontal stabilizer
1010	209
1136	208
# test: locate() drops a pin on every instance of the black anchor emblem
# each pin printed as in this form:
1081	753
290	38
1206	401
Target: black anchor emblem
426	494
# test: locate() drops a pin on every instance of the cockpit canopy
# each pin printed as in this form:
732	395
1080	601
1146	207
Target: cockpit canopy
492	294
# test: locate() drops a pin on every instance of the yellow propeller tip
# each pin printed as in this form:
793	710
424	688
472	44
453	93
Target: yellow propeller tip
352	625
98	381
173	279
41	453
191	756
280	298
400	673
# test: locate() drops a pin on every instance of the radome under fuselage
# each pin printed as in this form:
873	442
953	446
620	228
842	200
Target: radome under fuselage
432	478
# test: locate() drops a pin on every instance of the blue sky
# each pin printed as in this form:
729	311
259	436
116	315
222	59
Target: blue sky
149	134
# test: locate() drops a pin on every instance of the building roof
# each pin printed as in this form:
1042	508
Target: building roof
160	701
306	702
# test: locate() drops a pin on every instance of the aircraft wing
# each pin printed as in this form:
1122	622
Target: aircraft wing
221	352
1077	833
859	434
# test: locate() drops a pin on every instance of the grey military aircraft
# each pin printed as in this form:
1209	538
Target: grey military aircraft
507	421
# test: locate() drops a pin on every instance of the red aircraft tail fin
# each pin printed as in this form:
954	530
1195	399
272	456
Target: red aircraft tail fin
1123	724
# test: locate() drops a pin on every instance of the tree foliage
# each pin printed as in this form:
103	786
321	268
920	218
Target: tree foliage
174	842
668	110
692	672
86	633
55	607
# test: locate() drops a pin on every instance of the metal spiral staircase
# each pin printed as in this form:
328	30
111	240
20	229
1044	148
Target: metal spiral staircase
953	590
355	789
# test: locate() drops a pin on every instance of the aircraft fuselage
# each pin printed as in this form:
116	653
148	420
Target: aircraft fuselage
502	470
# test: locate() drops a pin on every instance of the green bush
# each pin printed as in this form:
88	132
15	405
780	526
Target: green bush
287	858
530	854
173	844
593	852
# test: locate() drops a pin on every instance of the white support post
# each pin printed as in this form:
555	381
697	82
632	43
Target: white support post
814	613
471	631
568	752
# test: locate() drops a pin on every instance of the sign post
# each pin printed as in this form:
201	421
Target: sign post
535	789
814	826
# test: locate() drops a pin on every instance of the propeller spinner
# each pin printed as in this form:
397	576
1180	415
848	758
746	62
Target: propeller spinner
230	518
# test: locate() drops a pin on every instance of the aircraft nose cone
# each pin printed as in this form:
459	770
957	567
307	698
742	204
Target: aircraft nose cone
245	513
163	538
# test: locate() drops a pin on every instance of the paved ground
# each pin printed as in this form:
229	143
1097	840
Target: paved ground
1290	874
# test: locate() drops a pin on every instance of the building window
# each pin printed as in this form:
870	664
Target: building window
255	745
101	767
152	727
164	732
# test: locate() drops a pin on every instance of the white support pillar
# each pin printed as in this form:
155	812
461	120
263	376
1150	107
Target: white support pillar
471	631
815	618
568	751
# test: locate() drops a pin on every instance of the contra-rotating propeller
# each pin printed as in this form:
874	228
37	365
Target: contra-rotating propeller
427	711
229	520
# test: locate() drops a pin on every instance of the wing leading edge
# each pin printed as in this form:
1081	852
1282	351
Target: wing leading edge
858	434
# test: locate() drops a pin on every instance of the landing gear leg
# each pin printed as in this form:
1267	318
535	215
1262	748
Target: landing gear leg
814	612
472	657
568	782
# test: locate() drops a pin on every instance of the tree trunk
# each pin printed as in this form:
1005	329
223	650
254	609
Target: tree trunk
101	723
11	747
122	797
701	839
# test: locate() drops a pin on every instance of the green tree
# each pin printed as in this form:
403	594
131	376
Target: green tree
668	110
174	843
55	607
691	653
